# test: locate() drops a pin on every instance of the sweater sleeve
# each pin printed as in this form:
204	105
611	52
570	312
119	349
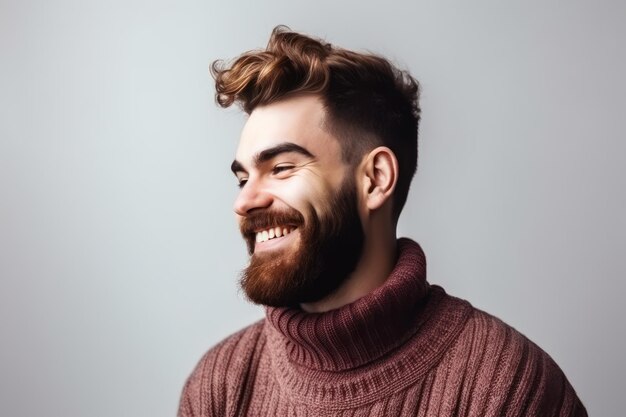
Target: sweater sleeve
517	377
199	396
545	389
506	374
219	381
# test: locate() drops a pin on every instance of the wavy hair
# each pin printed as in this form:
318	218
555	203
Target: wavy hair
368	101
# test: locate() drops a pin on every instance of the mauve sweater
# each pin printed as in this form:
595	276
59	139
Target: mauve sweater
405	349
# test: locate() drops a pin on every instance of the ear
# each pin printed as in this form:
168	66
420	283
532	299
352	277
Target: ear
380	171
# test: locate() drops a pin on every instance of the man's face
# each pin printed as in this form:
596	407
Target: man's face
297	208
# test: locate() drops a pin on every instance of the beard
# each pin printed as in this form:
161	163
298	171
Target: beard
321	258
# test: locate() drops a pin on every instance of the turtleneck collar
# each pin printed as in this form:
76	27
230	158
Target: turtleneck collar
363	331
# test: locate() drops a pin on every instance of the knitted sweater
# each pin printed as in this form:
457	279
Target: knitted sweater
405	349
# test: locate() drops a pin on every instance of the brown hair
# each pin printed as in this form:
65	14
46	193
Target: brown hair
368	101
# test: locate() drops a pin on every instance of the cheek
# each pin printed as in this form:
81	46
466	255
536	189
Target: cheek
303	195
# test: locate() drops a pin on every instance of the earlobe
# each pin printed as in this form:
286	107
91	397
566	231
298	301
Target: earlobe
381	170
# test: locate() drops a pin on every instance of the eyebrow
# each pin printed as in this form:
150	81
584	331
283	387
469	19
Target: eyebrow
270	153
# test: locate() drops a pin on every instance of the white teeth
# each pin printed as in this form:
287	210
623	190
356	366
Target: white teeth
268	234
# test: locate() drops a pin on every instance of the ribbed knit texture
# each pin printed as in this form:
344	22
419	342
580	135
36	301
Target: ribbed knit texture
405	349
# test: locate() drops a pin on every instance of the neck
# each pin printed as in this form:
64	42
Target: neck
373	269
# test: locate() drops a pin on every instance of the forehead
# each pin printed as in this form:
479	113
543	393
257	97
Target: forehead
298	120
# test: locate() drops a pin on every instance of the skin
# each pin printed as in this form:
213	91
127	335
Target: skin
273	173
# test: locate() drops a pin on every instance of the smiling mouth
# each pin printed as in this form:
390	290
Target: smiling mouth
273	233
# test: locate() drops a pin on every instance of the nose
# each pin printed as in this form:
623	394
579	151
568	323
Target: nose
252	196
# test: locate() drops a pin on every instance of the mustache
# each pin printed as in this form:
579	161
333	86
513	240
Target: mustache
267	219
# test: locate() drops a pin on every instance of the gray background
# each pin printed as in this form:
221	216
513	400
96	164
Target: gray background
118	246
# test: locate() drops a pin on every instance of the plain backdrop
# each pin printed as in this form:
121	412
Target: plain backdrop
119	252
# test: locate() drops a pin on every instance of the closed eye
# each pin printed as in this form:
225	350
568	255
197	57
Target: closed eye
242	182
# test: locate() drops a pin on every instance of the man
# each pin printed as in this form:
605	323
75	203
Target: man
352	327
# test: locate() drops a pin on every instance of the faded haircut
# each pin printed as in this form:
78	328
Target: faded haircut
368	101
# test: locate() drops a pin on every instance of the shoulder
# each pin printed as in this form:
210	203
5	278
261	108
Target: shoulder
511	374
221	371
